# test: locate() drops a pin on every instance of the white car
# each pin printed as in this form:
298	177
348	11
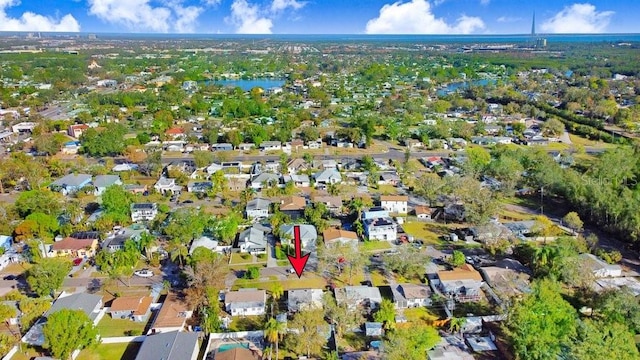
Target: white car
144	273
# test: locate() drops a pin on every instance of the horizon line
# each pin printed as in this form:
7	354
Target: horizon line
305	34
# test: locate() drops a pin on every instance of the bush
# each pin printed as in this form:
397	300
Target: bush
246	256
280	254
252	273
135	332
262	257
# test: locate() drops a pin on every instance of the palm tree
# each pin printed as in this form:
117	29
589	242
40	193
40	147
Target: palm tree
247	195
179	251
146	242
358	227
356	205
456	324
273	330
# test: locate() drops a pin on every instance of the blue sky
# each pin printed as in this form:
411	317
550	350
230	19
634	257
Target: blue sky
321	16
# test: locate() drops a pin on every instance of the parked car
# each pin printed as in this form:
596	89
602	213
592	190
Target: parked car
143	273
77	261
10	277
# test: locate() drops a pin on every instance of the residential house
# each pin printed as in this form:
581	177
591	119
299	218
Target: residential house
124	167
490	232
245	302
165	185
389	178
304	299
382	228
172	315
411	295
173	345
395	203
76	130
102	182
176	133
296	166
293	206
253	240
355	296
332	203
237	182
507	277
71	183
77	248
199	186
246	146
135	308
599	267
222	147
299	181
144	211
463	282
205	242
423	212
308	233
89	304
327	176
271	146
265	180
333	236
522	228
258	208
115	241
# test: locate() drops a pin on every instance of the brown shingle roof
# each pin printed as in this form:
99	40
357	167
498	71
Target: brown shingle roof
293	203
237	354
331	234
422	210
172	313
137	304
69	243
245	296
465	272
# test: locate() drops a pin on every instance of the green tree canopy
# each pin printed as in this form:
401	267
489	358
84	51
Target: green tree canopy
104	142
116	201
597	340
410	343
67	330
47	275
312	333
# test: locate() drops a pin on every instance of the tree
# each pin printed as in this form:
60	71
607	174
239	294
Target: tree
276	291
340	316
32	309
477	160
619	306
226	228
553	127
573	221
273	332
386	314
543	226
7	312
204	280
67	330
542	324
6	343
116	201
410	343
310	323
202	158
456	324
178	251
252	273
44	201
603	340
105	142
47	275
457	258
408	262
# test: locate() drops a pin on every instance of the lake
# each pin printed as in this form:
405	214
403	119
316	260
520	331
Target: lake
246	85
453	87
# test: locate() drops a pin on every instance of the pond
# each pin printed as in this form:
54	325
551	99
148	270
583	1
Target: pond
246	85
453	87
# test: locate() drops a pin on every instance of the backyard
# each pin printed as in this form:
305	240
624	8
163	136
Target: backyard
109	327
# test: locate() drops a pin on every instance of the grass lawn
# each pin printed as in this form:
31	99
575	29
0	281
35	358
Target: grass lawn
247	323
430	233
384	190
343	280
306	282
16	268
510	215
237	259
378	279
109	327
420	315
578	140
375	245
124	351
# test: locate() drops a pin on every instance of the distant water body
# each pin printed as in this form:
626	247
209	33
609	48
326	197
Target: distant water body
247	85
435	39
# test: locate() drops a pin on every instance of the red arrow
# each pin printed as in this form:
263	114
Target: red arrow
298	262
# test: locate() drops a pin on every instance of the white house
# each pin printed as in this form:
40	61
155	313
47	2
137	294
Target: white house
144	211
165	185
258	208
327	176
304	299
265	180
102	182
354	296
301	180
271	146
245	302
383	228
308	233
395	203
253	240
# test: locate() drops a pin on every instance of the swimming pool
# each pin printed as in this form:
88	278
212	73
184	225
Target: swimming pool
225	347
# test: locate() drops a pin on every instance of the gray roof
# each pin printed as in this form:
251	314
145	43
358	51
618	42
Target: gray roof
356	294
265	178
81	301
305	297
72	180
327	174
205	242
103	181
258	204
255	237
172	345
308	233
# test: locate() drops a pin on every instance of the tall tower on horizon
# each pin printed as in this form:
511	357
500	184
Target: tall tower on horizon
533	25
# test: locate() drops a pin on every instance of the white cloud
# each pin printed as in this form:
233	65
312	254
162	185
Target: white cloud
281	5
140	15
508	19
211	2
30	21
578	18
416	17
247	18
